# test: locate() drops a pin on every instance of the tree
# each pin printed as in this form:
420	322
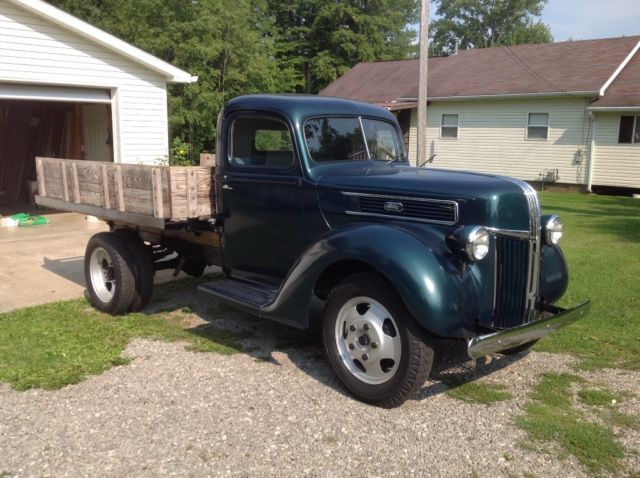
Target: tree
248	46
220	41
320	40
487	23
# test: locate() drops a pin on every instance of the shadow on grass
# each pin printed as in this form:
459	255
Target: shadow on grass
618	216
453	368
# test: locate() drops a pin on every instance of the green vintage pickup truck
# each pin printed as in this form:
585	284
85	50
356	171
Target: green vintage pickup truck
315	196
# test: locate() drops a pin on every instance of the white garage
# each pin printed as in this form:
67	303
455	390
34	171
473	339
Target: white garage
70	90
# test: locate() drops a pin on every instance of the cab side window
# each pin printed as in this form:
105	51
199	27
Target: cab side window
260	143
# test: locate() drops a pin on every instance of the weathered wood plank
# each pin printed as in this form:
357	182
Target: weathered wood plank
158	203
42	188
161	192
76	183
91	194
117	180
89	171
65	181
106	196
106	214
192	193
135	178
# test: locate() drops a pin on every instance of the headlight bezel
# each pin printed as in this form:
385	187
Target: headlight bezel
478	243
553	229
473	243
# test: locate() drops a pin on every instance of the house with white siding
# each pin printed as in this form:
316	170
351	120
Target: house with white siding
70	90
567	113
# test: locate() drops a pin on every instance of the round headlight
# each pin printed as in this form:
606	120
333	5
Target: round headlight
553	230
477	246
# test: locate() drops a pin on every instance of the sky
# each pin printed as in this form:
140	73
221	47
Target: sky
587	19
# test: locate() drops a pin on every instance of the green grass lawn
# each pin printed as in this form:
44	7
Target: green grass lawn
602	247
53	345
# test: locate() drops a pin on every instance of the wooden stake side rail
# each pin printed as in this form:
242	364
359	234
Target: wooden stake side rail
116	191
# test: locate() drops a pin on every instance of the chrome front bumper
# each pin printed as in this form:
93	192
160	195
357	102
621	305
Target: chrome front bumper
506	339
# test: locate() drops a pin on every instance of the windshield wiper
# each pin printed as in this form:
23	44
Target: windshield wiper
397	158
429	160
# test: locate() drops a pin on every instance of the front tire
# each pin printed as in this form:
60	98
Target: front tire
373	344
109	274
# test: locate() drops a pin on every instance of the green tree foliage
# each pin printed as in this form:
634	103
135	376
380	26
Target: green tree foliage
220	41
247	46
319	40
487	23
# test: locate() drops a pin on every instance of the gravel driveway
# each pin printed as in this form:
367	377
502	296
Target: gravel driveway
173	412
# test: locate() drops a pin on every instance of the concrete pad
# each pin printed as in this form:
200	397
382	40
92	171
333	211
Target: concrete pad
41	264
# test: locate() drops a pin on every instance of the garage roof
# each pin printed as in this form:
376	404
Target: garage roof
104	39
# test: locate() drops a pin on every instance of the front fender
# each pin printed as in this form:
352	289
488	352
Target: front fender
554	274
436	288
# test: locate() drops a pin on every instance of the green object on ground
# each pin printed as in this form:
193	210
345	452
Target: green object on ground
25	219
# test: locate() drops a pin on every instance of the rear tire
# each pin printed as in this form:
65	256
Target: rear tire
109	274
375	347
143	265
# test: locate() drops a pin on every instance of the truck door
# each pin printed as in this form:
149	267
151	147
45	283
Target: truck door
261	192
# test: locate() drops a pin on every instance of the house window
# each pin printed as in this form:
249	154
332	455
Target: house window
449	126
538	126
629	130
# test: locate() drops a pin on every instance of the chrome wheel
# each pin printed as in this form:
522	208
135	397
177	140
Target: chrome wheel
102	274
368	341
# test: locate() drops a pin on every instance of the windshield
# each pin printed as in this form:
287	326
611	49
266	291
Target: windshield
348	139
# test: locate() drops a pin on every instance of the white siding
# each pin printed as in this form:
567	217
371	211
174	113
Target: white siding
35	51
614	164
492	138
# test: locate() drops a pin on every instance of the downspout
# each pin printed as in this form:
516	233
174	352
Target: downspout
592	148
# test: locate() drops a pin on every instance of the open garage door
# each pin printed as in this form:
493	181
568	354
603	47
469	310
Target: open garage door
50	121
11	91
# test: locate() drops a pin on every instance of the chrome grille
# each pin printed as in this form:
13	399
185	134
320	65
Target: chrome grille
518	263
512	258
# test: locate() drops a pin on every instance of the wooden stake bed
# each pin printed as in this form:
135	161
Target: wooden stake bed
147	196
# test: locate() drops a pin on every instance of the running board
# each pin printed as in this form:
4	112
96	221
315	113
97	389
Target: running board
248	296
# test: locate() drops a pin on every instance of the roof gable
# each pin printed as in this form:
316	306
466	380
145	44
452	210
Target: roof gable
104	39
579	67
624	91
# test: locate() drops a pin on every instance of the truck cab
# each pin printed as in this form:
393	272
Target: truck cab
314	196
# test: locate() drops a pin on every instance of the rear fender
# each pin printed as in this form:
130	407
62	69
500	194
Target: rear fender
415	260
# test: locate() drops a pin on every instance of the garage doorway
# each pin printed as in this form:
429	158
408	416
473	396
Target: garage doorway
32	124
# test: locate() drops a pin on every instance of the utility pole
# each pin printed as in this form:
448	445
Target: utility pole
422	84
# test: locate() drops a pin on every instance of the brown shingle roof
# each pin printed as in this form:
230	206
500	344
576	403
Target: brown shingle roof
625	89
578	66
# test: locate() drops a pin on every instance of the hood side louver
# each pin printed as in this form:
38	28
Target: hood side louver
414	209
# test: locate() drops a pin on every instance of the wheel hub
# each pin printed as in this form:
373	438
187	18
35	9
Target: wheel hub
367	341
364	340
102	274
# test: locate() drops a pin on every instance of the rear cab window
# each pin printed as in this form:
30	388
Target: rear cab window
260	143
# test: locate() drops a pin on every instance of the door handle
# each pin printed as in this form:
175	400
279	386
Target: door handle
227	187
